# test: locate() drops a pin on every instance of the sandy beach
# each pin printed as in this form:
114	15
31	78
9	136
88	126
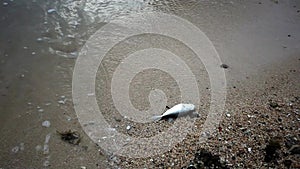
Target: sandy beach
259	41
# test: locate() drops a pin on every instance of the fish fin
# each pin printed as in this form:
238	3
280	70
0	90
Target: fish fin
156	118
195	114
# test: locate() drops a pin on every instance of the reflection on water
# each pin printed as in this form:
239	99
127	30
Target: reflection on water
69	23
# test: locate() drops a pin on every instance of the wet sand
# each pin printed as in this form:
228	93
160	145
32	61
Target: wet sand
259	40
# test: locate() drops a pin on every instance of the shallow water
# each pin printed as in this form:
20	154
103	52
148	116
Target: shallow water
40	41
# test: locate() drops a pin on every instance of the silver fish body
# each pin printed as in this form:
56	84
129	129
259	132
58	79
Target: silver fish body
178	110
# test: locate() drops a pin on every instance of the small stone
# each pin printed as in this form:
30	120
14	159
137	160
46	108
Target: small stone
39	39
128	127
68	118
38	148
47	104
46	149
249	149
224	66
15	149
41	110
5	3
61	102
33	53
83	167
273	104
22	146
46	123
118	119
46	163
250	116
47	139
191	167
71	36
51	10
228	114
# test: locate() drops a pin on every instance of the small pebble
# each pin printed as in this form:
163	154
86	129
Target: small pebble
224	66
273	104
46	149
39	39
5	3
71	36
118	119
46	163
22	146
15	149
228	115
68	118
41	110
191	167
128	127
46	123
38	148
33	53
61	102
51	10
47	139
47	104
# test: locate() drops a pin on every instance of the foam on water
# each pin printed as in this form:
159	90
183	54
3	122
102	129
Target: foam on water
71	22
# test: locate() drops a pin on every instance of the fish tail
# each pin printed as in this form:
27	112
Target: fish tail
156	118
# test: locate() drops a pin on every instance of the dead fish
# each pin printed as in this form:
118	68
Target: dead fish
177	111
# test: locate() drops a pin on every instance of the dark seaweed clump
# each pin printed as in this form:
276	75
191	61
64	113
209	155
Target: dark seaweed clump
72	137
272	150
205	159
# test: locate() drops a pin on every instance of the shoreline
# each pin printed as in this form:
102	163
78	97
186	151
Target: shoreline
264	66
